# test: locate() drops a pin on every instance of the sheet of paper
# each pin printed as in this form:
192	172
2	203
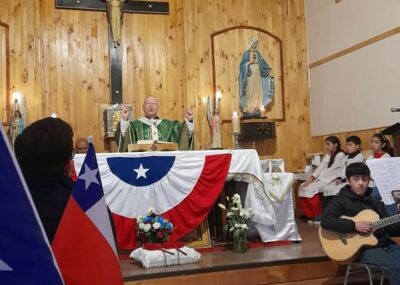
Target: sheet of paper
386	173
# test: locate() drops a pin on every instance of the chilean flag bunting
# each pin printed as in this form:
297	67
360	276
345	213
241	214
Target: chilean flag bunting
182	188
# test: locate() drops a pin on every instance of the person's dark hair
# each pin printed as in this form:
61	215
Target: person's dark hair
357	168
44	148
354	139
334	140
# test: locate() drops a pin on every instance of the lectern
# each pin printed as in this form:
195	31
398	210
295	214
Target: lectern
394	131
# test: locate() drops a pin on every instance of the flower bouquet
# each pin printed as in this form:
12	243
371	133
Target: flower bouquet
154	232
154	228
237	222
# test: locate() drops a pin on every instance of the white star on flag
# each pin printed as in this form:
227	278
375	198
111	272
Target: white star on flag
4	266
89	176
141	172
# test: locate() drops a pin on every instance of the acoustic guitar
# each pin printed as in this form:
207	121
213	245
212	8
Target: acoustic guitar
344	247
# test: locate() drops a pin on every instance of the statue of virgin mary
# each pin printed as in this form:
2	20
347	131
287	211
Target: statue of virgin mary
256	82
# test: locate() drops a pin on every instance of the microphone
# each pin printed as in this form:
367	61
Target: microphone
394	109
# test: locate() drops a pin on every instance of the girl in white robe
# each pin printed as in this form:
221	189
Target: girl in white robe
325	174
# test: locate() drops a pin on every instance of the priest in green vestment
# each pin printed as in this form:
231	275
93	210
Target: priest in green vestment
151	127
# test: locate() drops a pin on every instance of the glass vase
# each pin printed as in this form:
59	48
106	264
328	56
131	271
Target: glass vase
239	241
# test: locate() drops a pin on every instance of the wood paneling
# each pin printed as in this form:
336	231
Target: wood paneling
22	18
4	73
285	19
59	61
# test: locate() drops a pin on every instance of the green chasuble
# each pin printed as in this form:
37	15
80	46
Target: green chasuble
168	131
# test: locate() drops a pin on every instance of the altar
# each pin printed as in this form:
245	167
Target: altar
184	185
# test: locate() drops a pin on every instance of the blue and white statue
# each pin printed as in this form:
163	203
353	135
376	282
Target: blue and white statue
256	82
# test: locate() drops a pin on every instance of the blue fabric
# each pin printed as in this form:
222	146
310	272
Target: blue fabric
388	258
25	255
157	167
267	80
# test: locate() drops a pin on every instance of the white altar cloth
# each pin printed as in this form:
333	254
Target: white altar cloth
279	190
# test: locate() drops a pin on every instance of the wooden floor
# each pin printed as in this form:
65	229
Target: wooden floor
298	263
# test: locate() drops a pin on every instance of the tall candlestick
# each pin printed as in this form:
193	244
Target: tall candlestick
235	123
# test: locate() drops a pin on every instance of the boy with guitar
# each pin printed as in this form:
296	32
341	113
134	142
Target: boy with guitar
342	237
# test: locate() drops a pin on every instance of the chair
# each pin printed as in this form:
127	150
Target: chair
356	267
273	165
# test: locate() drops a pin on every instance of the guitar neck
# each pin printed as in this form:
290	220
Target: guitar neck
386	222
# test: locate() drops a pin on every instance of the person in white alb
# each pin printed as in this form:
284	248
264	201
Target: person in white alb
325	174
353	154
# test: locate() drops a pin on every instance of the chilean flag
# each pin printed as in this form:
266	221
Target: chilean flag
182	186
84	245
25	253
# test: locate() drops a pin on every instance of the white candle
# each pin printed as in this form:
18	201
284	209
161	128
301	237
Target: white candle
17	97
235	123
262	110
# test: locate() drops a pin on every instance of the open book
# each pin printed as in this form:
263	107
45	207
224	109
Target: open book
150	145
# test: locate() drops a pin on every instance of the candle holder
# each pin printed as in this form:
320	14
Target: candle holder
236	140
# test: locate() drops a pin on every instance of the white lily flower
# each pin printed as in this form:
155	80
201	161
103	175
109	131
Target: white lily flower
146	227
156	225
222	206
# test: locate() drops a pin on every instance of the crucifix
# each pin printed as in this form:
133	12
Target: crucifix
115	10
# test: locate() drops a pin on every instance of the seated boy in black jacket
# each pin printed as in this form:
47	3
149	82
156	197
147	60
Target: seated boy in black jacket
352	199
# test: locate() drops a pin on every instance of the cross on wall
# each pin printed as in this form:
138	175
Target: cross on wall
114	49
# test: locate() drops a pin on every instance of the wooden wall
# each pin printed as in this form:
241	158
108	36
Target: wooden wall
4	71
59	61
24	34
284	19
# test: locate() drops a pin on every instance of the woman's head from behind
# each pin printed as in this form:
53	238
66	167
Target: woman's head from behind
44	148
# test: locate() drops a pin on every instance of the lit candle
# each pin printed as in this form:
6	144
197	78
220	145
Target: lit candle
262	110
235	123
17	97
